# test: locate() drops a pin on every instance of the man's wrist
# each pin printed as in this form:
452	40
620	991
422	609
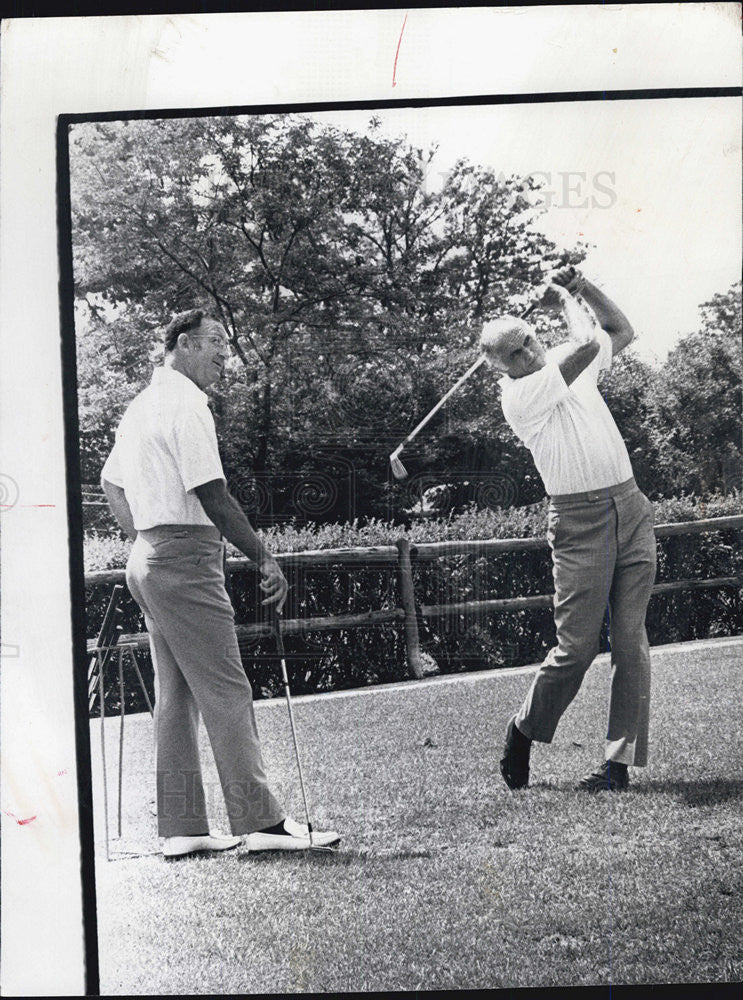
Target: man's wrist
579	283
588	291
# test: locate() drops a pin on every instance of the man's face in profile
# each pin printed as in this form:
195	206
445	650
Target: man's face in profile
208	351
514	350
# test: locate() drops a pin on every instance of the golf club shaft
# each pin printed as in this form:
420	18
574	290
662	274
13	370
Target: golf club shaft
287	693
463	378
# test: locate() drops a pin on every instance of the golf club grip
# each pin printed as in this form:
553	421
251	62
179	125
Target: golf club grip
276	630
276	625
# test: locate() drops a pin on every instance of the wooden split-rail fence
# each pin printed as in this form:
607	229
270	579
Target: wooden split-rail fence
401	557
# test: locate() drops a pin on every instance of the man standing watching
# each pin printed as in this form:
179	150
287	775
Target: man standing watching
600	526
167	490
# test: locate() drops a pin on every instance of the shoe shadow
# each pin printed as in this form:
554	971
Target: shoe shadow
706	792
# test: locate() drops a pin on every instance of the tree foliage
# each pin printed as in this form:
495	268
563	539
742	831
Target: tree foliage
349	291
695	409
353	296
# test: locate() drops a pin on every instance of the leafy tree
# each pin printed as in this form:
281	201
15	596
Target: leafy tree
349	292
111	369
237	213
695	410
353	297
628	389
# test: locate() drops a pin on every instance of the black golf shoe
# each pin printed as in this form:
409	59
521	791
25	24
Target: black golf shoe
514	765
608	777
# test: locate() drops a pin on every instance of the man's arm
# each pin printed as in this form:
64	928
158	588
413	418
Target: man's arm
227	514
610	317
578	360
581	334
120	508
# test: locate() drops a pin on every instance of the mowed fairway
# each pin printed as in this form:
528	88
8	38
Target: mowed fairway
445	879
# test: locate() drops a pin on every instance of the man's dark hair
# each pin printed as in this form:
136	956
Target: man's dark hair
182	323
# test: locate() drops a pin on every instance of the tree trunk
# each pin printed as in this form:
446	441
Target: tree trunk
264	426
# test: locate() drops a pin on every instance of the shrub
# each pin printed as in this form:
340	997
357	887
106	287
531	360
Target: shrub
322	661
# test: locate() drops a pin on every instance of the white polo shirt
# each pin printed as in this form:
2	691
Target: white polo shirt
166	445
568	428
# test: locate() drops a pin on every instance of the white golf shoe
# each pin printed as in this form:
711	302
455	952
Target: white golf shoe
178	847
296	838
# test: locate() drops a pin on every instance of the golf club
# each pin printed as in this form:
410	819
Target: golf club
398	469
276	627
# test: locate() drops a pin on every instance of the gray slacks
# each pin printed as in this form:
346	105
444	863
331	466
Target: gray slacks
176	575
603	558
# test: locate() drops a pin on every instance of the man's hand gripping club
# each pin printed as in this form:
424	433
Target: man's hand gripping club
565	284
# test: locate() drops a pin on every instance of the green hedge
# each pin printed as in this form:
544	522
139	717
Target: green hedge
364	656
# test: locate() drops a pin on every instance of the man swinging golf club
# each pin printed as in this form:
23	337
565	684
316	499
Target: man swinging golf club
166	487
600	526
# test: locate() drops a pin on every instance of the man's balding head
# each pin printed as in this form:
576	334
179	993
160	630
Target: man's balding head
510	345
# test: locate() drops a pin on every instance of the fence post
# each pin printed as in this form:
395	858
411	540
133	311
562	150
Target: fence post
407	597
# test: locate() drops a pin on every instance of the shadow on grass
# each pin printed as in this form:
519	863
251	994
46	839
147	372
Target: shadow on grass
709	792
319	857
337	858
128	855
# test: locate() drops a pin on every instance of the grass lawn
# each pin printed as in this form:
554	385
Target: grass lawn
445	879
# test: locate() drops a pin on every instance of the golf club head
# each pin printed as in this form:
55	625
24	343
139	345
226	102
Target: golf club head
398	469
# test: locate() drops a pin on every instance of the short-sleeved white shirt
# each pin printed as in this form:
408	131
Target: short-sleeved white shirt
568	428
166	445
